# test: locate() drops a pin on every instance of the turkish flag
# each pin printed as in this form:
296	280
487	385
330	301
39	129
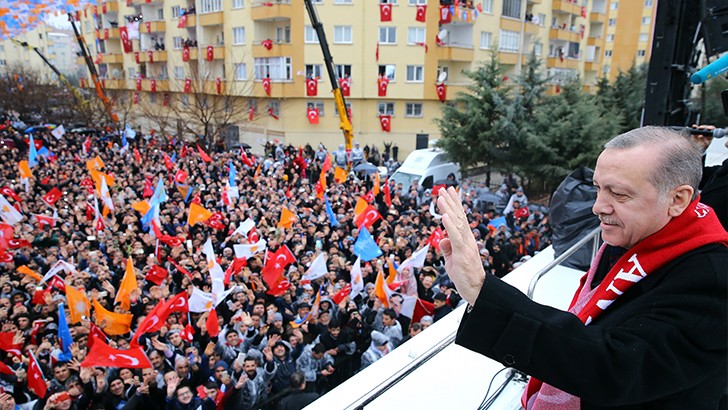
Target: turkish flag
168	161
179	267
345	85
188	85
156	274
100	225
185	54
148	188
367	217
313	115
182	21
583	11
421	12
383	82
180	177
385	12
340	295
386	121
165	102
52	196
280	288
148	25
106	34
215	221
435	238
36	382
89	212
9	192
311	87
88	184
212	324
136	98
445	16
251	113
104	355
210	53
441	92
103	8
218	84
150	56
204	155
246	160
188	333
139	84
15	243
153	85
136	57
271	113
268	44
8	345
266	86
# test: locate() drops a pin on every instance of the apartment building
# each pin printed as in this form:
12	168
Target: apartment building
400	59
57	45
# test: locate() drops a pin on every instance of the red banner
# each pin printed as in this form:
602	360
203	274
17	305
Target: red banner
149	26
218	84
150	56
266	86
210	53
182	21
345	85
165	101
421	13
445	16
386	122
153	86
136	98
311	87
441	92
313	115
186	54
125	40
103	8
139	84
268	44
385	12
383	82
106	34
136	57
188	85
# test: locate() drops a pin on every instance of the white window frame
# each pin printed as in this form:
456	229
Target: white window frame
176	11
238	36
390	70
610	38
646	20
341	71
612	22
387	35
319	105
277	68
614	5
607	53
415	74
179	73
486	40
240	72
210	6
177	42
343	1
416	35
385	108
309	35
641	53
317	71
275	107
410	110
283	34
343	35
649	3
487	6
644	36
416	2
238	4
509	41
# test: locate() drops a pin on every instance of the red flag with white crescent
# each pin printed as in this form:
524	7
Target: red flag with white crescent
313	115
385	12
311	87
266	86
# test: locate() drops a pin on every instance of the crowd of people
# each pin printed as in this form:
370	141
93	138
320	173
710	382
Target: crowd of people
261	344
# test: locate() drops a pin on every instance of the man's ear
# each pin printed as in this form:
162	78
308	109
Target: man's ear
679	198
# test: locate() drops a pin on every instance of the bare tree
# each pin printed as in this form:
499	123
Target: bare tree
154	109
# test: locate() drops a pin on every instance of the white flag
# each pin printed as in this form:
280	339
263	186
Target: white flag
209	253
245	227
417	260
318	268
248	250
58	132
357	281
199	301
8	213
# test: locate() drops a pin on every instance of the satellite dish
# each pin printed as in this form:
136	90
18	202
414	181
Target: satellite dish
442	77
442	35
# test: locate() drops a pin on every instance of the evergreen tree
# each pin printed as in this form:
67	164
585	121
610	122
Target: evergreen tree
625	96
568	131
712	108
477	127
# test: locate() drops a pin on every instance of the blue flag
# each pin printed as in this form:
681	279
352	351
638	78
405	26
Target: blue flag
124	142
365	247
64	336
32	153
330	212
233	173
129	133
160	195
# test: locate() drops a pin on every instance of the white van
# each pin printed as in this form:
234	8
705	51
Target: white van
426	166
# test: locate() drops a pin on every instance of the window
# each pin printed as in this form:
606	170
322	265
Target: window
640	53
152	98
314	71
416	2
607	53
277	68
387	70
646	20
486	40
176	11
211	6
185	100
179	73
238	4
318	2
488	6
415	35
316	105
614	5
648	3
343	70
509	40
605	68
309	35
644	36
387	1
388	35
238	35
385	108
612	22
177	41
342	35
160	14
343	1
283	34
274	107
538	48
440	70
88	27
240	72
415	73
512	8
610	38
132	72
413	110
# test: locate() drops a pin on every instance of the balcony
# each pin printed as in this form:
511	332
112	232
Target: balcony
533	29
191	20
270	11
162	85
217	54
567	7
507	58
463	15
142	2
565	35
555	62
157	56
450	53
112	58
593	41
277	50
596	17
210	87
592	65
210	19
113	33
510	24
114	84
153	27
110	7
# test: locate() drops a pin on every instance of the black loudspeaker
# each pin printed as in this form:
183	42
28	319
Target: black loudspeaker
714	21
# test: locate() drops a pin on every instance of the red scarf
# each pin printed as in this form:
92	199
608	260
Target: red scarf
697	226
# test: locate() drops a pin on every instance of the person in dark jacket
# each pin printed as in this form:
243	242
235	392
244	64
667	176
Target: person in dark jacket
442	307
298	399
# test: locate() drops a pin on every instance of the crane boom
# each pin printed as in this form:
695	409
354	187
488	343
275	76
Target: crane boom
344	120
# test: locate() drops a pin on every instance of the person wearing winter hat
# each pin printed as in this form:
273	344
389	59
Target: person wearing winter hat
378	348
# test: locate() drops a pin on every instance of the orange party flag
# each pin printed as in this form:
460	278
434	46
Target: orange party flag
128	284
339	175
95	163
24	169
142	206
78	305
361	206
113	324
376	187
197	214
287	219
381	290
27	271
